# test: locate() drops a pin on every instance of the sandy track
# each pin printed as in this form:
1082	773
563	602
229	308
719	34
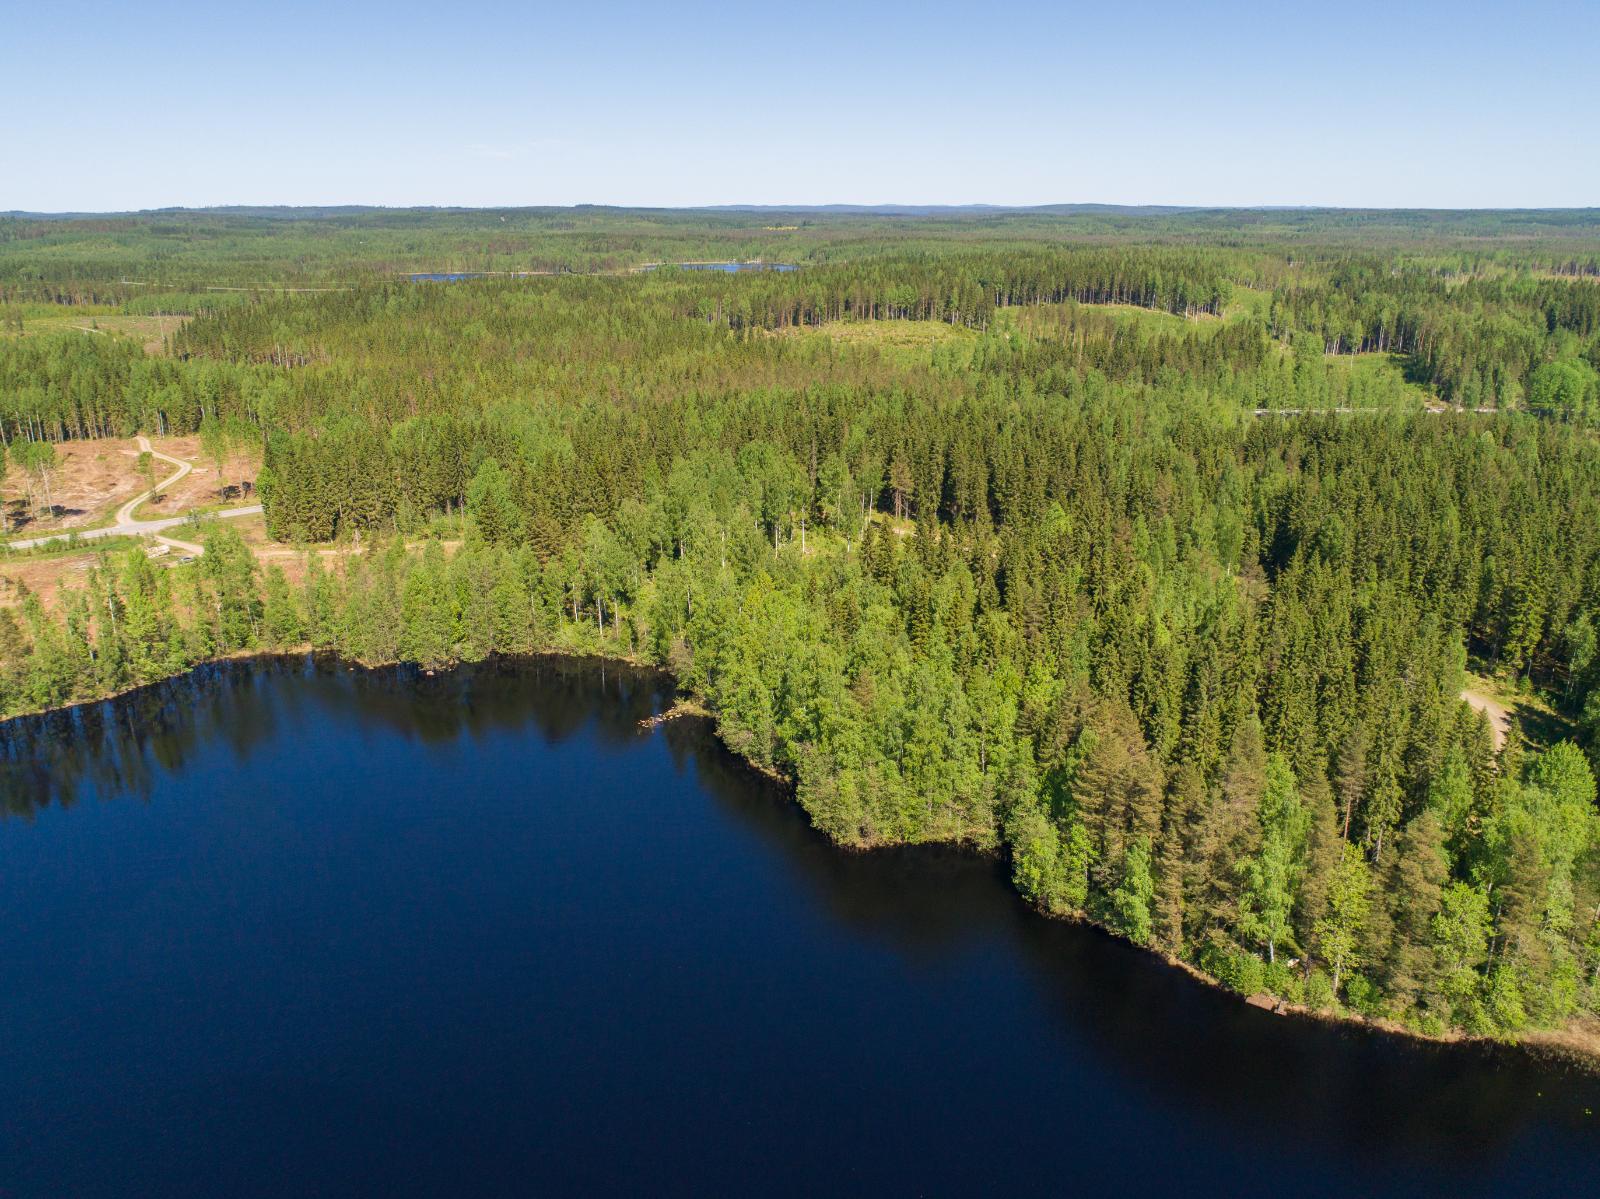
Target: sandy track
1499	716
124	525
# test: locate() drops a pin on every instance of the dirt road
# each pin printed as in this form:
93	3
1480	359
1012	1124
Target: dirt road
124	525
1499	716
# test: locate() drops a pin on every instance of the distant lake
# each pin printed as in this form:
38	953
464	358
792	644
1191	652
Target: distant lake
288	929
458	276
728	267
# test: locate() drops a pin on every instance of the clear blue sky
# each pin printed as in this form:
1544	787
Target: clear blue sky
135	105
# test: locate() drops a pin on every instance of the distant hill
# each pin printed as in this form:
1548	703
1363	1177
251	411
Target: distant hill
336	211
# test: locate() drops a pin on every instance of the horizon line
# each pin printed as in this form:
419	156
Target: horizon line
837	208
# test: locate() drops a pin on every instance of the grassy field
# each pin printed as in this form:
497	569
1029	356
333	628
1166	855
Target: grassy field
1383	375
907	342
1248	302
1041	318
38	320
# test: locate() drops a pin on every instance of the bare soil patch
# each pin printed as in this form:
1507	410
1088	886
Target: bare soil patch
201	487
290	559
94	478
1512	709
91	480
44	577
1499	715
1579	1042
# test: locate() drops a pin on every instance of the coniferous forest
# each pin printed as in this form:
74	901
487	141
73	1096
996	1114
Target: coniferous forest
1148	550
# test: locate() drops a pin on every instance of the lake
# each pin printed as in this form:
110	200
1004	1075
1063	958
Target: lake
287	928
731	268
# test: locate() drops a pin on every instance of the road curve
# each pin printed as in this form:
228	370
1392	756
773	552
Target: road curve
124	525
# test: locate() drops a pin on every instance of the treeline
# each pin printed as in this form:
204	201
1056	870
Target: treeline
65	387
112	258
1497	342
298	362
966	288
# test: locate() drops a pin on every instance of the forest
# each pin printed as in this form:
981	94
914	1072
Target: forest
1149	551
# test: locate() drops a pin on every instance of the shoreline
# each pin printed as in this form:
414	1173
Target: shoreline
1576	1046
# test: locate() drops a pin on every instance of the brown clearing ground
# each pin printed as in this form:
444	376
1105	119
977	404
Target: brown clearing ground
47	576
94	478
44	577
290	559
1580	1040
1510	709
200	488
293	559
1499	715
91	480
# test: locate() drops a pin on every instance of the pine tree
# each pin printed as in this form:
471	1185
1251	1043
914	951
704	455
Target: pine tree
1413	888
427	611
1133	897
1231	834
1117	788
1459	938
1351	774
282	619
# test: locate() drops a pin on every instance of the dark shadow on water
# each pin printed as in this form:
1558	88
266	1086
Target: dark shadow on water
560	695
119	746
1366	1092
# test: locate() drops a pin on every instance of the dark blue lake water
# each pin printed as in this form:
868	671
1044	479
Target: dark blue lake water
731	268
289	930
